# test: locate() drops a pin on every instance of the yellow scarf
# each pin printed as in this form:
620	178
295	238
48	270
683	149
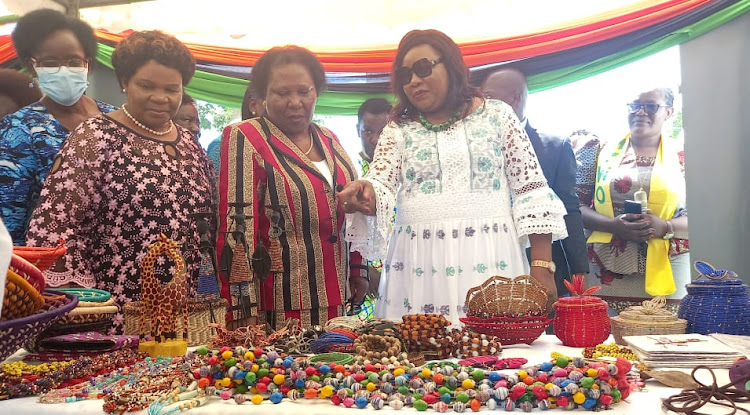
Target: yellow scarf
665	192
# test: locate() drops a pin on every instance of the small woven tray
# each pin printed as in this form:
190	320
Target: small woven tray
41	257
88	295
501	296
509	330
647	319
89	314
102	326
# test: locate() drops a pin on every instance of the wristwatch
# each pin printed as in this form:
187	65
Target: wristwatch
544	264
670	231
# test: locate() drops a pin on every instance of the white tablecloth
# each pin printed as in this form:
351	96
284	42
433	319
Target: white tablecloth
643	402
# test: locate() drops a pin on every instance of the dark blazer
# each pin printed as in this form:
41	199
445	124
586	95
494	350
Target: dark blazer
558	163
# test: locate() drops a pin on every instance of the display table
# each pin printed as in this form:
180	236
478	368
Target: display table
647	401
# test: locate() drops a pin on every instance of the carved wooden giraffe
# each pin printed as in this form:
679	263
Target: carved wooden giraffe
162	303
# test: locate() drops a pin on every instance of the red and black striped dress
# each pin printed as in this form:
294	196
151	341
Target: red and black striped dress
262	167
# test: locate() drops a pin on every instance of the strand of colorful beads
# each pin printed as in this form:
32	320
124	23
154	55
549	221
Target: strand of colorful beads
565	383
166	386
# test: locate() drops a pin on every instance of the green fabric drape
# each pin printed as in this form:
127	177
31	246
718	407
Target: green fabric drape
552	79
228	91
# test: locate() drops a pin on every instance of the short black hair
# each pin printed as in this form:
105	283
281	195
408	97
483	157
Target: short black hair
19	87
284	55
35	27
374	106
187	99
140	47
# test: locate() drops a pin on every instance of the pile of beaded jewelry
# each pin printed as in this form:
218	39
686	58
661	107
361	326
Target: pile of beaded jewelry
472	344
19	379
426	333
375	347
608	350
145	383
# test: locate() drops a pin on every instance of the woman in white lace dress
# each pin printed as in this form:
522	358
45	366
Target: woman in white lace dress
452	162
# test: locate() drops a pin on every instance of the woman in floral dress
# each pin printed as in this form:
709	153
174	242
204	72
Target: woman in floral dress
123	179
452	161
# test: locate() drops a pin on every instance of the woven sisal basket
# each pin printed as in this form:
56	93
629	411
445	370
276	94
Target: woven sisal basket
201	312
507	297
21	299
649	318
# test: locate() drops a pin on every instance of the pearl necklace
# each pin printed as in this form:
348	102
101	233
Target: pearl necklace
152	131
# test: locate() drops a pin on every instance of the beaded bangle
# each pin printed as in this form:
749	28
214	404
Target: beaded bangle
88	294
340	358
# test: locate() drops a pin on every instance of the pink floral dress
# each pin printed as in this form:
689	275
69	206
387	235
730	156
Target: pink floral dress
112	194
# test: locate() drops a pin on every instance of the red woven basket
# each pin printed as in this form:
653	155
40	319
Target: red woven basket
41	257
28	271
509	330
581	321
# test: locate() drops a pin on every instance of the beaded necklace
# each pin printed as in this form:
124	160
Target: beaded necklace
143	127
439	127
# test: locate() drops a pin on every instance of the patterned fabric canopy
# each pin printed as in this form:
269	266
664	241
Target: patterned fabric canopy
551	56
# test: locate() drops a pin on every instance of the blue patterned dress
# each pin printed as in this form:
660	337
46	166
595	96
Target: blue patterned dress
29	141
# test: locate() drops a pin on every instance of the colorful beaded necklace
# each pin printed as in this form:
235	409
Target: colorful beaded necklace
443	125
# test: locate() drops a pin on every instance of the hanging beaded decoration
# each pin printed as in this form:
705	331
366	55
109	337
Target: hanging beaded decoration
274	232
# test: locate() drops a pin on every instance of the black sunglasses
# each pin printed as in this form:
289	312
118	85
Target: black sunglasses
650	108
422	68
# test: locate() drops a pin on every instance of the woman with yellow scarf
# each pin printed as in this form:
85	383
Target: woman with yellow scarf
637	256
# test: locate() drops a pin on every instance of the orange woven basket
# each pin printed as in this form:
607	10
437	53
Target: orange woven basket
501	296
41	256
21	299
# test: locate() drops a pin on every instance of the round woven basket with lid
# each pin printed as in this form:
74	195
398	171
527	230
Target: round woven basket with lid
646	319
582	319
717	302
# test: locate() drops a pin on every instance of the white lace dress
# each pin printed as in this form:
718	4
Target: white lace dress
455	225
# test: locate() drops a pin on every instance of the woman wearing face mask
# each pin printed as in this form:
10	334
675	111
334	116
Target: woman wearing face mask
126	177
59	52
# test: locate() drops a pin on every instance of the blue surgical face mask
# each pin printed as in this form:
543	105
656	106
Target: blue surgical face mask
64	86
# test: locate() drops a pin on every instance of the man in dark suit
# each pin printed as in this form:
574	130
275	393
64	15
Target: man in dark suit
558	163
